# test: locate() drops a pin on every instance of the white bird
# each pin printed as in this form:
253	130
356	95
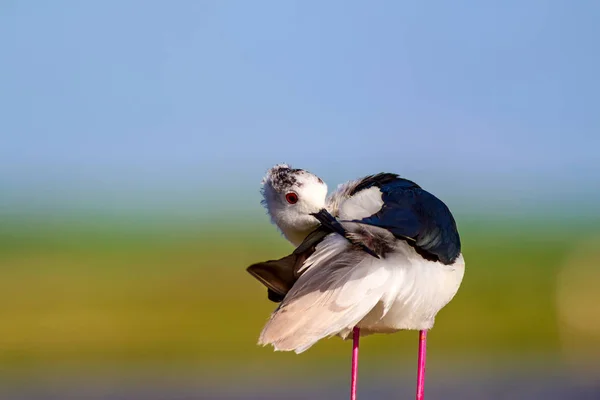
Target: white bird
379	255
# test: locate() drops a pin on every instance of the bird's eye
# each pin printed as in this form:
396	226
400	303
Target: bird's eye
291	198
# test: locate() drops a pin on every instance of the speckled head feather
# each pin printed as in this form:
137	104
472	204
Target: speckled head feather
290	195
282	177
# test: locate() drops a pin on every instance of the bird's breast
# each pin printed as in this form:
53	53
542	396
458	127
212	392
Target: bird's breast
417	290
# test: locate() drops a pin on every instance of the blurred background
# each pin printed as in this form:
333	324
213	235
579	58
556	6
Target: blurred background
133	138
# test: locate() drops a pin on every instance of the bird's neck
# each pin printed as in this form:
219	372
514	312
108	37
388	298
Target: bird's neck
297	237
296	233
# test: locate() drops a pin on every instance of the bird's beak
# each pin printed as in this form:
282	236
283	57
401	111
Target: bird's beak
320	212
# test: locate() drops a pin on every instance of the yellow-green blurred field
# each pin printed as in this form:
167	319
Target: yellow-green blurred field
108	292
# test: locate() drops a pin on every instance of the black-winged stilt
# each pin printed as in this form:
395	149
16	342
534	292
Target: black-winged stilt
379	255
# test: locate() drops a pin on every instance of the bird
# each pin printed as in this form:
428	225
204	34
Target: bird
378	255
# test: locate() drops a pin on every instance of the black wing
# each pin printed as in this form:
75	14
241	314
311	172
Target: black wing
280	275
415	215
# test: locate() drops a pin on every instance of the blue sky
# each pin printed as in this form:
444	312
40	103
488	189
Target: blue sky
134	103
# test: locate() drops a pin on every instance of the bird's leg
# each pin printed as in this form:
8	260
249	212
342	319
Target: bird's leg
355	339
421	364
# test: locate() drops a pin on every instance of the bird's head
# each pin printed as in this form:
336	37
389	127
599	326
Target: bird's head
290	196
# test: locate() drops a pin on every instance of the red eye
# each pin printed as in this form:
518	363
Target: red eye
291	198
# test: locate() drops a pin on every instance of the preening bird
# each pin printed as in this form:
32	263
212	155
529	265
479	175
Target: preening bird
379	255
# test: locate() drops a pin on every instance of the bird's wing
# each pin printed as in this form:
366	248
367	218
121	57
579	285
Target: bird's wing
276	275
337	289
280	275
408	212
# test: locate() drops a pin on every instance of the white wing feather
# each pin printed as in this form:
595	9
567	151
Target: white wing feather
362	205
338	289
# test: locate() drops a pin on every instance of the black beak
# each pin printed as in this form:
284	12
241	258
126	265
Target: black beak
328	221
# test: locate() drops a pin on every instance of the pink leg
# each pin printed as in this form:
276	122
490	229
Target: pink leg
421	366
355	339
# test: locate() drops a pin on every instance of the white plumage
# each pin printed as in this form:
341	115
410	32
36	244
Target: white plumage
341	286
344	287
